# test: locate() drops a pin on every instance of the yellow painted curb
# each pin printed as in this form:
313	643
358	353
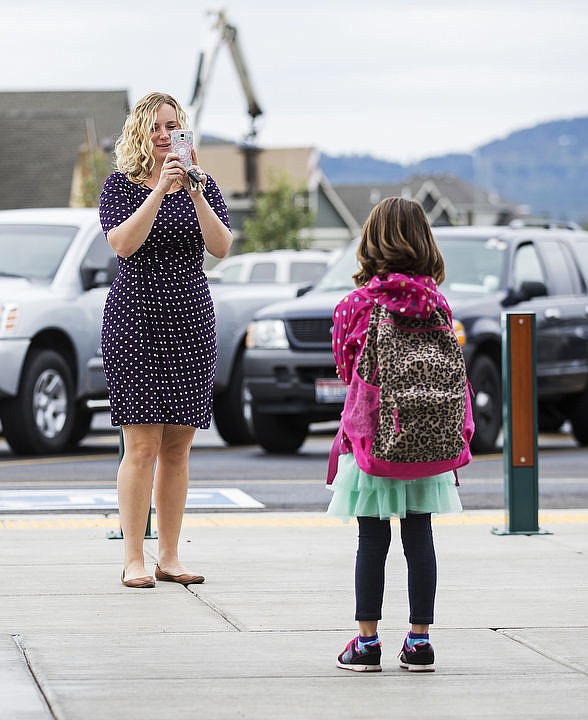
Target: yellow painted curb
212	520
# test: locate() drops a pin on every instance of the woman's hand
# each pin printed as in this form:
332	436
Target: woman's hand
172	172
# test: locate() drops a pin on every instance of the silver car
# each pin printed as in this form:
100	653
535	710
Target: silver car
55	270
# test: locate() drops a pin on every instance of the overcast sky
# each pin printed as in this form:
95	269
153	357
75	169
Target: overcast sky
398	79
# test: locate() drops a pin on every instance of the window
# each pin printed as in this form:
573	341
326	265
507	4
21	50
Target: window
526	266
34	251
263	272
232	273
307	272
473	265
563	275
581	248
99	253
95	271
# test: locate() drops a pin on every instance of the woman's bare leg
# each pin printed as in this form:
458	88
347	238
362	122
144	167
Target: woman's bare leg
171	488
135	483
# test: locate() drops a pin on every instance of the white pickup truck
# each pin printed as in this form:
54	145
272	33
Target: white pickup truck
55	270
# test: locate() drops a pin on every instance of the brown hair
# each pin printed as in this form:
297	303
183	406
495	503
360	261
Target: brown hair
134	151
397	237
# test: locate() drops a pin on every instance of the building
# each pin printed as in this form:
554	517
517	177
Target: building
43	134
243	171
49	136
446	199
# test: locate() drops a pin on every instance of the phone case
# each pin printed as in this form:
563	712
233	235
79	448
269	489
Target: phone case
182	142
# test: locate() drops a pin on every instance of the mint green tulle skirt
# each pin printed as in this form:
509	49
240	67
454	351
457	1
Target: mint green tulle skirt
357	494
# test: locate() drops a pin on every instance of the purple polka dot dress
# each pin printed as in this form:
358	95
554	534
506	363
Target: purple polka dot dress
158	330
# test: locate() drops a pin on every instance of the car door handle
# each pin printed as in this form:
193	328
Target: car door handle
552	314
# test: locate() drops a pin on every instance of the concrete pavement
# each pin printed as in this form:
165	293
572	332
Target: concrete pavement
260	638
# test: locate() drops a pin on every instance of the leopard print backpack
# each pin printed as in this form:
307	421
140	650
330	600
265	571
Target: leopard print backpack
407	412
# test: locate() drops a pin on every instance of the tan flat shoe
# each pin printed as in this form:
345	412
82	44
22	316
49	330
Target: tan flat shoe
183	578
141	582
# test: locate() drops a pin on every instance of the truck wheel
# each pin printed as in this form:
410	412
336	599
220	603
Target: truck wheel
282	434
39	420
80	426
549	418
577	408
487	403
228	410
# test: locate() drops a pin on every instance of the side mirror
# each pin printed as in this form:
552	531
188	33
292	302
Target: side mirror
303	289
99	277
532	288
528	290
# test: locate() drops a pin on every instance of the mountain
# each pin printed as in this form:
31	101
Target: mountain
544	167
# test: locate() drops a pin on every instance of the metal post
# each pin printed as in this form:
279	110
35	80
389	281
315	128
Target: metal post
519	405
118	534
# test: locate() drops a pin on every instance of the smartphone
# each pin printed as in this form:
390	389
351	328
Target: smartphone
182	142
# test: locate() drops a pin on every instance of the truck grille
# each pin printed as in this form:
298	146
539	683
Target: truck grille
310	331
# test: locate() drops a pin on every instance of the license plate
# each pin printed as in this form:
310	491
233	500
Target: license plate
329	390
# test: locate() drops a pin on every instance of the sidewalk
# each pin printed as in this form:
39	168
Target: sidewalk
260	638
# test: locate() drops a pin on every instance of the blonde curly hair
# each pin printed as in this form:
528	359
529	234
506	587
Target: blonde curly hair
134	149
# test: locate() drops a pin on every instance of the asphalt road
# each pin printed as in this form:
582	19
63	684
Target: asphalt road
291	482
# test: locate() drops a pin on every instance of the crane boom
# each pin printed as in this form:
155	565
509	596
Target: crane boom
222	32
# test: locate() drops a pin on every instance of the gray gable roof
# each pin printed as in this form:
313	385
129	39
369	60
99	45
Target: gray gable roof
108	108
461	195
42	133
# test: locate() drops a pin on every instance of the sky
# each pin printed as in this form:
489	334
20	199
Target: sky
397	79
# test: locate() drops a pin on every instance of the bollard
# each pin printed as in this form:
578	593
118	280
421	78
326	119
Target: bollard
118	534
519	405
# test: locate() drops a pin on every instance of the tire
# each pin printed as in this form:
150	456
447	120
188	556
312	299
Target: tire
577	407
81	425
487	403
39	420
227	408
549	419
281	434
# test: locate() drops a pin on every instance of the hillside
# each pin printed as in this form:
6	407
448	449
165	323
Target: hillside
544	167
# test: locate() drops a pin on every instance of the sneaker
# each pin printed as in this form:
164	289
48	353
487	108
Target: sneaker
366	660
418	658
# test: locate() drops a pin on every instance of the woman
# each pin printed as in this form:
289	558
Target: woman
158	334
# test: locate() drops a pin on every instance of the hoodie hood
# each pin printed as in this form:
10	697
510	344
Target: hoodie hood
412	295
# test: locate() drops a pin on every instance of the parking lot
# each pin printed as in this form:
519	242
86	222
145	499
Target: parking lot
293	482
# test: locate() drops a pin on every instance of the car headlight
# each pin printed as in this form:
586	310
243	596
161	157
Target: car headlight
459	330
267	335
8	319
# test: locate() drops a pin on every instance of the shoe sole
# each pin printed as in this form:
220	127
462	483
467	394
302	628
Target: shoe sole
359	668
417	668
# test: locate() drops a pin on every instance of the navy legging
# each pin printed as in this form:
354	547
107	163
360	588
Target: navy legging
419	551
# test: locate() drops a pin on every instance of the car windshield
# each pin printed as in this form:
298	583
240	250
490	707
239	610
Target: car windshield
33	251
471	265
338	276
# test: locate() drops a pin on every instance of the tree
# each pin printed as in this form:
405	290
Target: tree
100	166
93	165
280	215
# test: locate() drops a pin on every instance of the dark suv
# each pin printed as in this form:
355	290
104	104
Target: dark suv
289	370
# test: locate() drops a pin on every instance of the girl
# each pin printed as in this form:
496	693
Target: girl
400	266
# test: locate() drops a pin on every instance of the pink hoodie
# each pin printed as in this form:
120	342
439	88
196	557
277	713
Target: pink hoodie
413	295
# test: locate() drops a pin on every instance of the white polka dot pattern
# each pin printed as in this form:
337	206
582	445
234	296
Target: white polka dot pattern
158	330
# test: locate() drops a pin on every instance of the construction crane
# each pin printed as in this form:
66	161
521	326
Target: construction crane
222	32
